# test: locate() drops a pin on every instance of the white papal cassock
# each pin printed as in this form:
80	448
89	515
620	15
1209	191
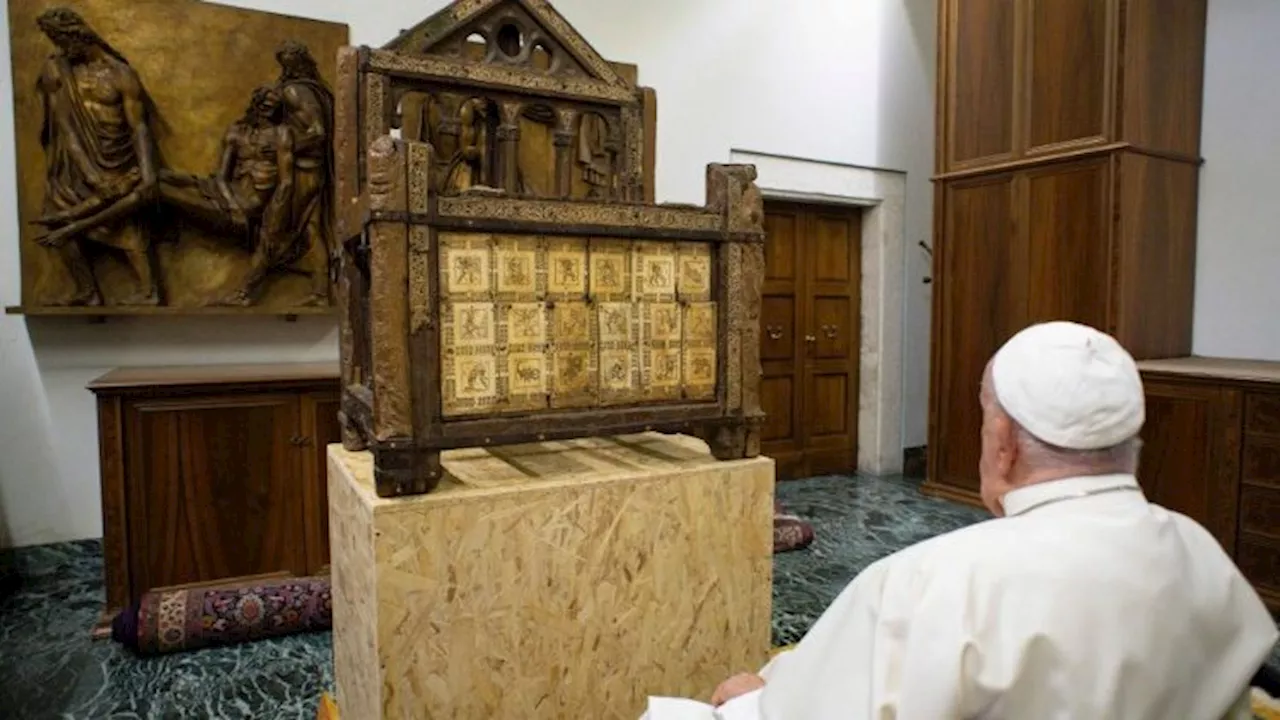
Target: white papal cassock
1084	603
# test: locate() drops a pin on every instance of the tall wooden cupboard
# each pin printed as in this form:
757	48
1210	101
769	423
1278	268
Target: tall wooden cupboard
1067	170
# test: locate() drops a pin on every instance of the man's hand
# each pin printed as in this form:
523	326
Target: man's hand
55	239
148	190
736	686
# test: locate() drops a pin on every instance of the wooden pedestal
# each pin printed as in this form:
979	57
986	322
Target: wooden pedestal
560	580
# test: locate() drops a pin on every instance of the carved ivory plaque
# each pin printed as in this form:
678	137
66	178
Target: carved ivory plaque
538	322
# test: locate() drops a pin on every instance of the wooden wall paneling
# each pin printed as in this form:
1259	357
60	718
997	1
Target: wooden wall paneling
1191	453
832	266
1163	75
982	45
980	300
782	340
1068	227
1154	284
1069	74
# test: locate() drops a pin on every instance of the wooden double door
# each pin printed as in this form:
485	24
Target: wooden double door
809	335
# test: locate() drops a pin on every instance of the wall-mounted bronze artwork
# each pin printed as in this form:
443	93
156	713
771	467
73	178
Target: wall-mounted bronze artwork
505	274
174	156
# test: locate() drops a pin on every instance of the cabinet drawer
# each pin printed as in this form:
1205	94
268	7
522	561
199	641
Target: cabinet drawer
1262	414
1260	510
1260	464
1259	560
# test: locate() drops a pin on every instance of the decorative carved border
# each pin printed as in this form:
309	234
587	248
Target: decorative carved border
571	213
445	23
573	40
443	69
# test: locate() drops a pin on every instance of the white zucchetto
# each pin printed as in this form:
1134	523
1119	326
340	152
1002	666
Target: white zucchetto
1069	385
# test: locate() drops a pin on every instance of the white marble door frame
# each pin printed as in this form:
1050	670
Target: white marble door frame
882	194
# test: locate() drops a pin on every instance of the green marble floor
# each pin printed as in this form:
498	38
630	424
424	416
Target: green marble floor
51	669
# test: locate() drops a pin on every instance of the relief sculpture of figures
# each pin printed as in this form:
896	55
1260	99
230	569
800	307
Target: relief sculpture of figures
466	167
271	185
295	229
257	158
593	157
162	170
101	164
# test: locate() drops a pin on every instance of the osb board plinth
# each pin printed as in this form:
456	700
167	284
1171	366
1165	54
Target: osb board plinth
560	580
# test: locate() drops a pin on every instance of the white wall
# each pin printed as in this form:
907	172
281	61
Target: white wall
1238	247
908	69
826	79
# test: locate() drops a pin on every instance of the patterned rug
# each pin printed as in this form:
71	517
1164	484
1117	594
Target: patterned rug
176	620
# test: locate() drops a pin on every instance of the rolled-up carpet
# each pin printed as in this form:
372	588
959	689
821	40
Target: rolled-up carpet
789	531
175	620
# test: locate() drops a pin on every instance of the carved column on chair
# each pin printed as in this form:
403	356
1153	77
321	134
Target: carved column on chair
509	146
565	136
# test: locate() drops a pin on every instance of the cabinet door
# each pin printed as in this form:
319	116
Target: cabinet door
832	259
320	429
979	44
1191	452
1258	549
213	489
1068	80
979	302
1064	211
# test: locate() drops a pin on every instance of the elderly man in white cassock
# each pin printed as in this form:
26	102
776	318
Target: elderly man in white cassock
1080	600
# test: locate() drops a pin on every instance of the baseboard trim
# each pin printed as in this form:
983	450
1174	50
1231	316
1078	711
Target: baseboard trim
915	461
954	494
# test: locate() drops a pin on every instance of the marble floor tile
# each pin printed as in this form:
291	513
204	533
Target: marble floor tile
49	667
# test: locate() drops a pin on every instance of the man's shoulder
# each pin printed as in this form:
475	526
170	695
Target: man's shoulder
123	73
294	89
51	69
960	547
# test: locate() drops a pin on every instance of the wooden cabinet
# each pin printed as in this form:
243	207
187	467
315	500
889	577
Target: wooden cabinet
809	340
213	473
1030	79
1066	190
1212	452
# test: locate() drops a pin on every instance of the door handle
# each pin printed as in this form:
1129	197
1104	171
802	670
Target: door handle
775	332
810	338
829	331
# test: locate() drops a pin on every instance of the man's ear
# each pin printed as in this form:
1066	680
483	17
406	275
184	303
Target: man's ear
1007	445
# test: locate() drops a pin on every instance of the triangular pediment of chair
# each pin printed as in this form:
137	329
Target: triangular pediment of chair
513	33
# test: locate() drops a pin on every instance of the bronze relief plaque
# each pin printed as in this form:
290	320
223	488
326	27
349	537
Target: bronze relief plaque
173	156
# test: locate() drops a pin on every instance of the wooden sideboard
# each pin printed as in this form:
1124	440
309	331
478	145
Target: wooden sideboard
1212	452
213	473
